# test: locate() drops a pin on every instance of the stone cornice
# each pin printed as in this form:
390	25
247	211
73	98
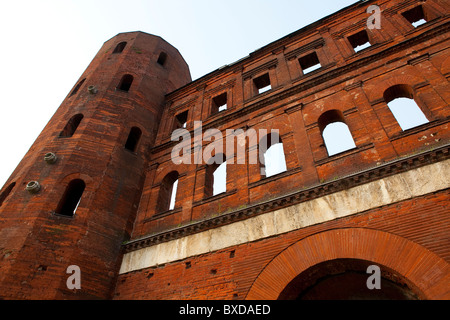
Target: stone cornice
352	180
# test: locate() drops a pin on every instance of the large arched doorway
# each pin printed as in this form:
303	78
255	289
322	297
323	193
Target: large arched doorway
408	269
346	279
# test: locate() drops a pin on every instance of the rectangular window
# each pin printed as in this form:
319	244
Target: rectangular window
309	63
219	103
415	16
262	83
359	41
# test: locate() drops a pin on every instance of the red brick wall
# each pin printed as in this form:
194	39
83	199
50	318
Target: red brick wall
229	273
352	83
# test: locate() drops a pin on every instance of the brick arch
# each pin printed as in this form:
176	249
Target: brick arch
426	271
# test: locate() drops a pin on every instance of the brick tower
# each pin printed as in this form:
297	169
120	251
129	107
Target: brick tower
72	200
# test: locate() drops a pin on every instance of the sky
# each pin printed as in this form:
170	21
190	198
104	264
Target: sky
46	45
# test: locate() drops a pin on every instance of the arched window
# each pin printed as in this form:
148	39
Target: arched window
167	192
335	132
77	87
119	48
133	139
71	198
6	193
274	161
216	176
71	126
125	83
400	100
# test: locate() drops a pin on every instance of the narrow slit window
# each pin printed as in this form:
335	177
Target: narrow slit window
181	120
6	193
133	139
125	83
168	192
220	179
415	16
262	83
162	58
71	198
400	100
71	126
309	63
119	48
219	103
77	87
359	41
335	132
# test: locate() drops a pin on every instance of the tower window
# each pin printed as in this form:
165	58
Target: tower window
181	120
262	83
125	83
6	193
216	176
162	58
309	63
77	87
219	103
119	48
335	132
400	100
71	126
274	159
415	16
71	198
167	193
133	139
359	41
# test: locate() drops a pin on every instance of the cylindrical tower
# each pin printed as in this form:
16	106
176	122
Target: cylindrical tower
72	199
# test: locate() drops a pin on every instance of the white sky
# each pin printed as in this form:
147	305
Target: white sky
47	44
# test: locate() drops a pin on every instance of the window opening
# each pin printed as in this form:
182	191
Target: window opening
335	132
6	193
133	139
167	192
262	83
273	155
359	41
219	103
216	176
162	58
125	83
173	195
181	120
400	100
119	48
71	126
415	16
77	87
